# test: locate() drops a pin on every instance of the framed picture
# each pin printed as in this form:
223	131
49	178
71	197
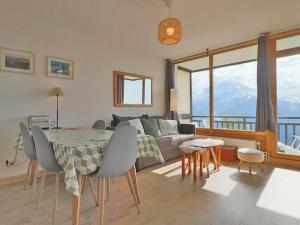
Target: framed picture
17	61
62	68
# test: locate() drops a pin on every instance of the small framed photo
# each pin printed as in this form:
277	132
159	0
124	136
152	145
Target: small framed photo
17	61
61	68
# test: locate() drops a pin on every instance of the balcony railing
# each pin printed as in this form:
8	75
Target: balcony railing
287	126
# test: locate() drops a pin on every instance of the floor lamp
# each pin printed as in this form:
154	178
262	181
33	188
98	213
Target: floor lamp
58	92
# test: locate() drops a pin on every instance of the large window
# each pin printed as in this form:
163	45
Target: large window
288	95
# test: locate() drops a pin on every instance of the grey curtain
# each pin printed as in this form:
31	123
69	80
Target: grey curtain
264	111
170	83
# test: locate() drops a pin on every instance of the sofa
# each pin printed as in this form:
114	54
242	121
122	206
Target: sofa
168	144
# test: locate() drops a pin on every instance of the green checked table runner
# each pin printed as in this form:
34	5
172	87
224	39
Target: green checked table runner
82	151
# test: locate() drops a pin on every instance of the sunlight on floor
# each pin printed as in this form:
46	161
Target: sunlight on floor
221	183
168	168
282	193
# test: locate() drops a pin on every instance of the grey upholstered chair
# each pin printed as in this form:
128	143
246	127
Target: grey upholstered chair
99	124
30	152
122	124
119	156
46	158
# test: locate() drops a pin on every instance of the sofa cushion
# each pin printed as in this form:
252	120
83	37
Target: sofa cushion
138	125
151	127
117	119
172	141
168	127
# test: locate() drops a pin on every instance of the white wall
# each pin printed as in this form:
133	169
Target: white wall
87	98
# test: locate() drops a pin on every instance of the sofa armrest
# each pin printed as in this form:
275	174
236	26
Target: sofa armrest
187	129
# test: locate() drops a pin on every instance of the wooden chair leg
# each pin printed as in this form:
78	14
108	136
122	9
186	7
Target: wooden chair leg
55	198
131	187
195	165
261	167
133	177
27	174
189	163
101	191
107	188
41	190
91	185
239	167
134	196
250	168
82	184
34	182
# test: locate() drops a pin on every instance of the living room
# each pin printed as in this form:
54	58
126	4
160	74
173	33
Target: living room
208	91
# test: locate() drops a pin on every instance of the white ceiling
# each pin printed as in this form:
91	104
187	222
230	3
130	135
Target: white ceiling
206	23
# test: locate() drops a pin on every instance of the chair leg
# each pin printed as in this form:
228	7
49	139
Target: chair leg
82	184
250	168
133	177
34	181
206	163
55	198
27	174
91	185
261	167
107	188
131	188
101	191
239	168
41	190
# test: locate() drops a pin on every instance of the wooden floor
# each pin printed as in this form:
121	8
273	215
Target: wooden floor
226	198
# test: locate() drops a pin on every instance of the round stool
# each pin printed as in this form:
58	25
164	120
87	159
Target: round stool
250	155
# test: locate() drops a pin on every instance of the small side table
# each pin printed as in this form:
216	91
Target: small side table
197	154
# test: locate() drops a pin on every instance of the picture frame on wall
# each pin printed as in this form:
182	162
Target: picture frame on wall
59	67
17	61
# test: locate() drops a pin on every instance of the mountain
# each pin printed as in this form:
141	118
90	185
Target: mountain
234	98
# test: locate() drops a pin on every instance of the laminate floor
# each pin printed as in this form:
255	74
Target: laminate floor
226	198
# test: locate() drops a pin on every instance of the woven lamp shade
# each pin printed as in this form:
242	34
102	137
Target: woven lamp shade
169	31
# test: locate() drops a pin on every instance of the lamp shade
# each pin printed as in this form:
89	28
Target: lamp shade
173	100
169	31
57	91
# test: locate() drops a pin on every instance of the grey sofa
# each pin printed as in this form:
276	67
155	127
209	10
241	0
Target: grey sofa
168	145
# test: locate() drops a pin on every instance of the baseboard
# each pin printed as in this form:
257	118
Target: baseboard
285	162
15	179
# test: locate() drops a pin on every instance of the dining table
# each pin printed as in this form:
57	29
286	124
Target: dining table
80	152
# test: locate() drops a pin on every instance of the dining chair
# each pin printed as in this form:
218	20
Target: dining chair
99	124
46	159
30	152
119	156
122	124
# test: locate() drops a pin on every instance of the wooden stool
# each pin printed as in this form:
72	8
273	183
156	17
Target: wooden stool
250	155
197	155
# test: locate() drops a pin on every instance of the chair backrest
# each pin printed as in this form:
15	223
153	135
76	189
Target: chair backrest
44	150
120	153
99	124
28	143
122	124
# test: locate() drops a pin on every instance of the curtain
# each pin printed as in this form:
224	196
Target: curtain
264	110
170	83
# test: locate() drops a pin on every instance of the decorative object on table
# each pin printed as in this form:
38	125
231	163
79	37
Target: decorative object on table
40	121
169	29
17	61
251	155
229	153
58	92
61	68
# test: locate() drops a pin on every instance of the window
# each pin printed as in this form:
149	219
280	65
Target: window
288	95
235	89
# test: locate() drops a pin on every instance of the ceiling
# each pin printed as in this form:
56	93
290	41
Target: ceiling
206	23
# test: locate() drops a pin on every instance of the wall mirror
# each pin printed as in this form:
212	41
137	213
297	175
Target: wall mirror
132	90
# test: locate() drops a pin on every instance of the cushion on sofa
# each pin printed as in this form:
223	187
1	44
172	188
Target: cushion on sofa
168	127
172	141
151	127
117	119
138	125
